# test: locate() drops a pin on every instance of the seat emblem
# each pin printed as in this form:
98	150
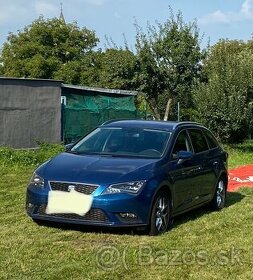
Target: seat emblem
71	188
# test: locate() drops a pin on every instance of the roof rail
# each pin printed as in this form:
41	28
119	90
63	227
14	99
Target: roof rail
174	126
107	122
117	120
185	123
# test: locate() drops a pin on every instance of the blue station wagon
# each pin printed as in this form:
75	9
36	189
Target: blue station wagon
131	173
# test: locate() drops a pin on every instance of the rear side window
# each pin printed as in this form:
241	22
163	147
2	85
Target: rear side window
211	140
198	140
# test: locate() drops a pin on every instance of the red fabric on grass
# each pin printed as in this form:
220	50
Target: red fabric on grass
240	177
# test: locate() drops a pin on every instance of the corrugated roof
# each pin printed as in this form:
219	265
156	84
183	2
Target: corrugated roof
68	86
104	90
30	79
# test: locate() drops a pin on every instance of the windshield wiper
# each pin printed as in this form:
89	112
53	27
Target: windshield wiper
84	153
73	152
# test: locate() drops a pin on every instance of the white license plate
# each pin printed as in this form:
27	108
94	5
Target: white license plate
68	202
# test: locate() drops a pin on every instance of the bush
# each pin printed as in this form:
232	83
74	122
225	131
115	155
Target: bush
224	100
226	114
12	157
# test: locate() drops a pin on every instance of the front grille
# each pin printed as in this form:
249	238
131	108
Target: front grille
94	214
82	188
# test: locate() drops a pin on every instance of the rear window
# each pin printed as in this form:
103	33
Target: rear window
198	140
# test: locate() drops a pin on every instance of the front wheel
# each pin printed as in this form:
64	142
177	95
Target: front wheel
160	214
219	198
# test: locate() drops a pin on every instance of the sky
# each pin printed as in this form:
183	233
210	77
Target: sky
216	19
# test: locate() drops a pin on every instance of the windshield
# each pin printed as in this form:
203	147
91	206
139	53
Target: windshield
138	142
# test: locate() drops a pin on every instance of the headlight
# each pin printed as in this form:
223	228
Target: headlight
37	181
128	187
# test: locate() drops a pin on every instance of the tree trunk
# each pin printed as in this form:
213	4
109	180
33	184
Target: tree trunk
153	107
167	111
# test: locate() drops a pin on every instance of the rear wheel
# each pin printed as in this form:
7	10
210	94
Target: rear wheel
160	214
219	198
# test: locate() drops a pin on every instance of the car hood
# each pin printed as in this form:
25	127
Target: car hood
97	169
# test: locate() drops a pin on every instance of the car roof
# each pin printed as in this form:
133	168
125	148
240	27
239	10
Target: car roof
163	125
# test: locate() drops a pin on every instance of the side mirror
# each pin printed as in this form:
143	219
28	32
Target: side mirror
183	156
68	147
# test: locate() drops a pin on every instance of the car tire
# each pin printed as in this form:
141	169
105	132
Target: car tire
219	198
160	218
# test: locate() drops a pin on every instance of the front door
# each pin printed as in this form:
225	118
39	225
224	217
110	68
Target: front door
183	175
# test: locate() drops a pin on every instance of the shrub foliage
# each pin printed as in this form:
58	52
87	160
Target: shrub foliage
11	157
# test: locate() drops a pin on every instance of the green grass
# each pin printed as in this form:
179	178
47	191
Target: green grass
201	244
11	157
240	154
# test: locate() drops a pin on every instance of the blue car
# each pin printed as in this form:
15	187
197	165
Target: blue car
131	173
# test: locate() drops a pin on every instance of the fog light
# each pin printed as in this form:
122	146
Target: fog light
128	215
30	208
30	205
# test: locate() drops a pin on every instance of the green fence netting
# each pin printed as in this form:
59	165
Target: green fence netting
82	113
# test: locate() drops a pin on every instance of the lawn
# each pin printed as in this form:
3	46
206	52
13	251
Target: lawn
240	154
201	245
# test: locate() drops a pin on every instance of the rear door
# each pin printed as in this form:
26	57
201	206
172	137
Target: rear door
205	161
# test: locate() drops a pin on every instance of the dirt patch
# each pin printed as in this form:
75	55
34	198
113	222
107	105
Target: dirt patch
240	177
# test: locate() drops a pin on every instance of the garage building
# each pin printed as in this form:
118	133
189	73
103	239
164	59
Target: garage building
36	110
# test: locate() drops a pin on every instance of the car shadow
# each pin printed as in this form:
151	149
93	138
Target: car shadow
90	229
232	198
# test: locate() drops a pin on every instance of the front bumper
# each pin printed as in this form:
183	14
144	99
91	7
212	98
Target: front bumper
106	210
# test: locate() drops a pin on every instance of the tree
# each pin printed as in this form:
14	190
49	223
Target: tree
112	68
118	69
52	49
85	71
224	100
43	48
169	58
